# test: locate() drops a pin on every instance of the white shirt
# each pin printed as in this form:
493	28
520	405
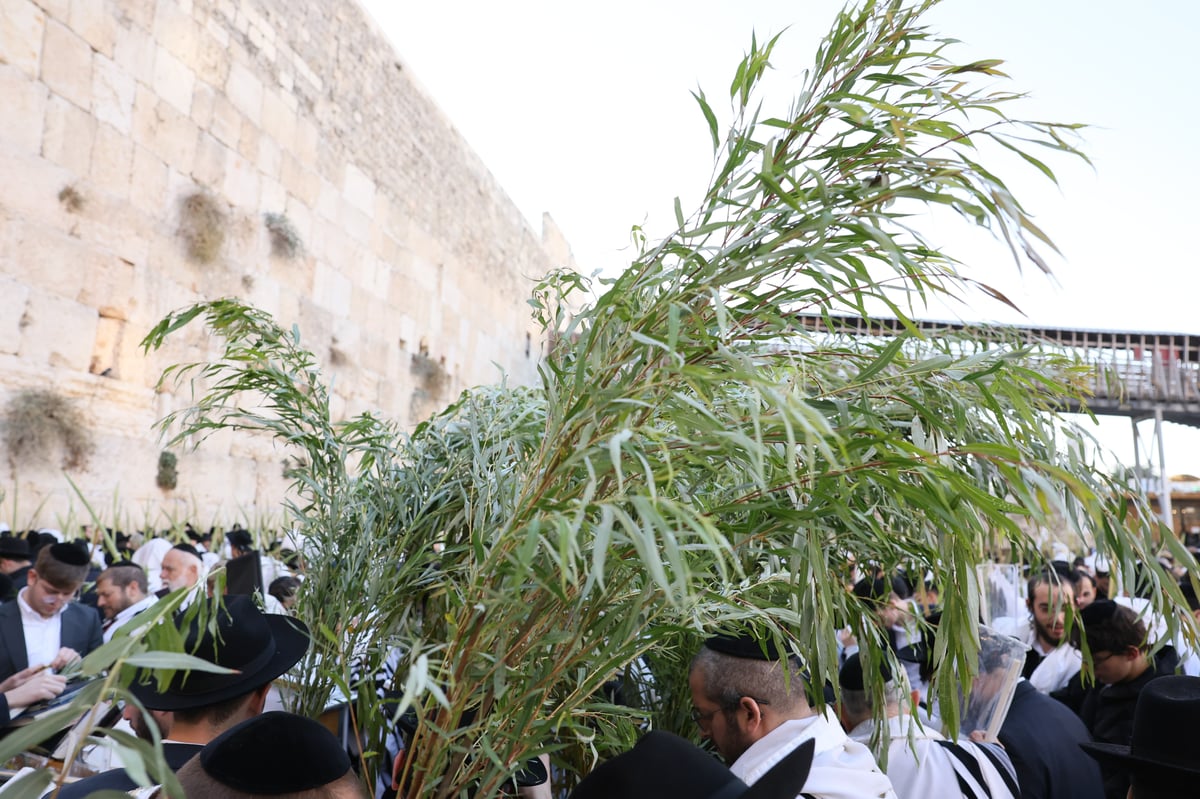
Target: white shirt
43	637
925	769
128	613
841	768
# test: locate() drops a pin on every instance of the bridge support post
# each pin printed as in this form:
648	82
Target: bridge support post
1152	449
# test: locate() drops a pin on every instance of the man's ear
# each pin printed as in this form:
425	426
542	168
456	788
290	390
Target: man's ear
750	711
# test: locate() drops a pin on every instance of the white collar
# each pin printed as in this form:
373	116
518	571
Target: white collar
29	614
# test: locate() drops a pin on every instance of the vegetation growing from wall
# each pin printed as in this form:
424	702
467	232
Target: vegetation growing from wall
40	424
167	477
285	241
202	225
71	199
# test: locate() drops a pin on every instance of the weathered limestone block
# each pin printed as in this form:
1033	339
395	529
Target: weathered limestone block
134	51
148	181
173	81
245	91
175	29
226	122
57	332
331	290
166	132
67	64
112	161
68	135
278	120
93	22
25	104
13	297
22	29
211	156
113	92
241	184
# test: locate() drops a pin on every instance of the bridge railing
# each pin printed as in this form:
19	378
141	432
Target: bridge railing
1127	367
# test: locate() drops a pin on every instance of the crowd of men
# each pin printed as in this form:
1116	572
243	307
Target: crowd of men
878	736
204	719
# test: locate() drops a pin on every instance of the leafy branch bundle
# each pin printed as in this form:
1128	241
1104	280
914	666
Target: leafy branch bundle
695	456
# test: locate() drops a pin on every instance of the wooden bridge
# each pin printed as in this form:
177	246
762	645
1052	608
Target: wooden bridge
1136	374
1141	375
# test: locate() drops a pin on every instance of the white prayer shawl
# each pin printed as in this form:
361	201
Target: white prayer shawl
841	769
1057	669
932	771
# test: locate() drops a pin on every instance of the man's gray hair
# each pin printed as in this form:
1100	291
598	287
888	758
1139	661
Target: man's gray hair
727	679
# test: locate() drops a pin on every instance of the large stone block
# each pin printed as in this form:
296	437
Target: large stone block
91	20
165	131
148	181
245	91
57	332
211	157
226	121
331	290
67	64
175	29
24	103
14	294
113	92
67	138
359	190
112	161
22	29
241	184
134	51
300	182
278	121
173	81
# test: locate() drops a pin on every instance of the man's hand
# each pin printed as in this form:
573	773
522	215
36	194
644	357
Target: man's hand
43	685
65	656
18	678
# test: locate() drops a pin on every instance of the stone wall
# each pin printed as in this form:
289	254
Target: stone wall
409	284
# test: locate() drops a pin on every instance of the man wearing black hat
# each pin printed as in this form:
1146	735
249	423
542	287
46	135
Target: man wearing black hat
750	702
269	755
14	564
1161	756
257	646
44	627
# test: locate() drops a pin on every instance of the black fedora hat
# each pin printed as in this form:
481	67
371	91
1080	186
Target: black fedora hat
1166	707
663	764
11	547
258	646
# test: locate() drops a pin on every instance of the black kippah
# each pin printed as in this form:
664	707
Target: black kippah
744	646
188	548
850	677
275	753
1100	610
69	554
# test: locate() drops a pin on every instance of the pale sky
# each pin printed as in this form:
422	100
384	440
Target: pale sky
584	111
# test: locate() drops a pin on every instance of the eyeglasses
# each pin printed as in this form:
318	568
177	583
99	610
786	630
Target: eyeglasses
1099	659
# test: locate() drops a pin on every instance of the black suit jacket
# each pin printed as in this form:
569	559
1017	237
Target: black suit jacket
80	631
176	754
1042	737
